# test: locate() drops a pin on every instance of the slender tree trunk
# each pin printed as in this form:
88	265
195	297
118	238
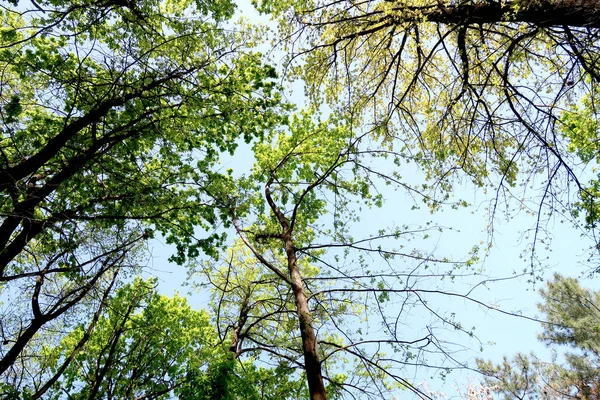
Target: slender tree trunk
11	355
312	364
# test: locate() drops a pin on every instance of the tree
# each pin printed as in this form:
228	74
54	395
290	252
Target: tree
113	114
143	346
300	288
253	311
573	317
150	346
469	90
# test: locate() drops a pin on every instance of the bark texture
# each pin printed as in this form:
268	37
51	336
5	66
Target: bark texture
544	13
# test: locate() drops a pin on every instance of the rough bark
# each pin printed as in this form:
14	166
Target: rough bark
575	13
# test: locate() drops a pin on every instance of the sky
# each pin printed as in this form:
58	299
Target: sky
497	334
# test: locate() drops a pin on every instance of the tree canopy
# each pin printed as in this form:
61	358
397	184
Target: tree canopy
116	115
145	345
113	115
501	94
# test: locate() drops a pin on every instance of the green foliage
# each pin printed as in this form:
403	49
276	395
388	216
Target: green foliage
468	103
573	315
517	378
580	125
144	344
150	345
230	379
123	120
113	116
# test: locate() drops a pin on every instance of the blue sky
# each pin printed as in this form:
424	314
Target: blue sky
496	333
499	334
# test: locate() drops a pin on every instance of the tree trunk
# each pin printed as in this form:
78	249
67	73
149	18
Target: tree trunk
11	355
312	364
575	13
